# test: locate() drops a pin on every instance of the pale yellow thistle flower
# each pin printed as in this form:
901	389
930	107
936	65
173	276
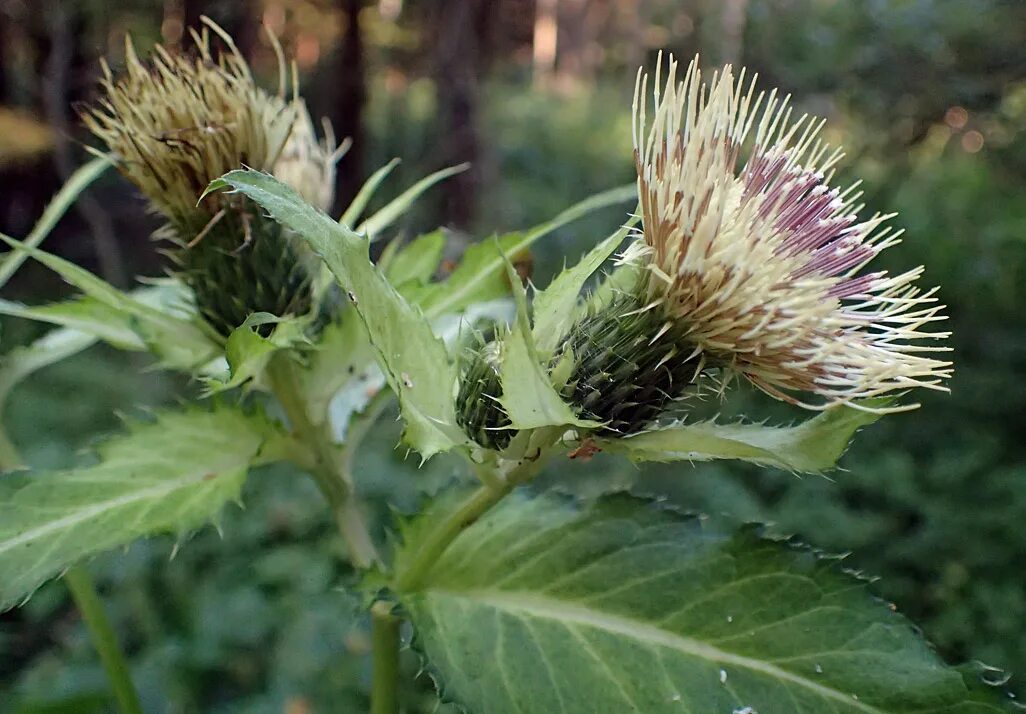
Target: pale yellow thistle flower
751	251
182	120
308	164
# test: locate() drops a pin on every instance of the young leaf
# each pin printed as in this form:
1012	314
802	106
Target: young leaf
814	445
170	475
53	212
625	606
555	306
366	192
418	261
388	215
414	360
247	351
481	275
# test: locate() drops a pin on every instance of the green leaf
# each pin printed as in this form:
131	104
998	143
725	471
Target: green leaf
418	261
247	351
394	210
414	360
528	396
85	315
177	341
626	606
20	362
366	192
342	354
170	475
813	446
58	206
481	275
555	308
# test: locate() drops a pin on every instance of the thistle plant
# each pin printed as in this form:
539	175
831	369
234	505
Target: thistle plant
746	262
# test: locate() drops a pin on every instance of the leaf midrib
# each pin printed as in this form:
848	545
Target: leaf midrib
96	509
567	612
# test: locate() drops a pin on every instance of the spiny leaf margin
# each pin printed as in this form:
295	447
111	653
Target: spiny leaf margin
600	556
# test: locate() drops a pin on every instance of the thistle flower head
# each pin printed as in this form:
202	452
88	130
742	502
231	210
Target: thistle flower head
750	249
183	120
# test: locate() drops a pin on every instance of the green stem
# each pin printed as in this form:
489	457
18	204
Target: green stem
326	463
385	648
104	639
439	539
498	479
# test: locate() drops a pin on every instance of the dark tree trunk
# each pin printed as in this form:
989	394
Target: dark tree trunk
346	111
241	20
64	81
461	41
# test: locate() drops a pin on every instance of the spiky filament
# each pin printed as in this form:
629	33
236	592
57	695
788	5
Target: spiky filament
758	260
630	365
478	410
182	120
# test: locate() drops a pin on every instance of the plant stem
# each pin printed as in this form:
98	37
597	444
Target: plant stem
385	644
104	639
326	462
499	478
439	539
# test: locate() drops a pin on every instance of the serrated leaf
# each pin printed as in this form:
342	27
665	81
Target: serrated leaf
178	342
170	475
58	206
418	261
373	226
414	360
528	397
248	352
481	275
625	606
555	307
814	445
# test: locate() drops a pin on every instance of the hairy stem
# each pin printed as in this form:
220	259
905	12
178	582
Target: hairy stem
325	461
104	639
385	644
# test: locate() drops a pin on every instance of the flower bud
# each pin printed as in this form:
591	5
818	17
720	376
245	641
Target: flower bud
630	365
478	410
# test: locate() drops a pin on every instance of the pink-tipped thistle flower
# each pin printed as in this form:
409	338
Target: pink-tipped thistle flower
747	262
759	260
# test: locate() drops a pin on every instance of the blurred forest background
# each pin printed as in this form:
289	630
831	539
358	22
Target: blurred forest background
927	96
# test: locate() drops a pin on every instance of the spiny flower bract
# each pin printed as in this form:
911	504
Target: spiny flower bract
749	248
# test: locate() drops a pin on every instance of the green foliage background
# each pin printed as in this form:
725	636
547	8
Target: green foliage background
933	502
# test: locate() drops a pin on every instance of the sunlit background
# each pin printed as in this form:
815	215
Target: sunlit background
927	96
